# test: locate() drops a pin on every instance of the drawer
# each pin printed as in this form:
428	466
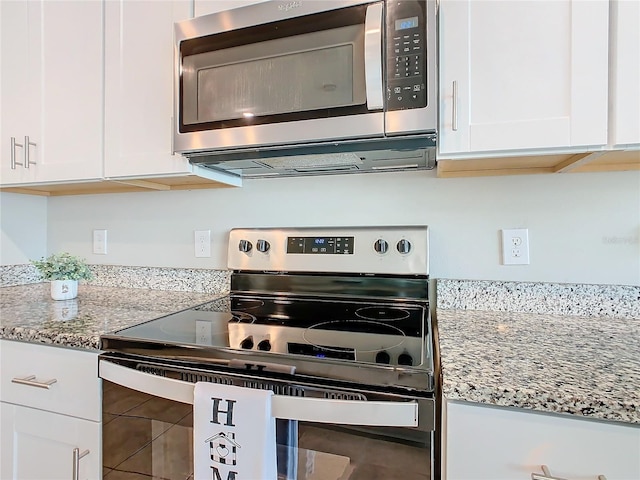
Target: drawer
51	378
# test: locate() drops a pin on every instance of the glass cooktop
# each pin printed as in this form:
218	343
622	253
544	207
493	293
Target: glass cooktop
390	333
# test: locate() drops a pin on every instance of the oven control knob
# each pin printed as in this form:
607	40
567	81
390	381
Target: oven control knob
247	343
405	359
264	345
381	246
383	357
404	246
245	246
263	246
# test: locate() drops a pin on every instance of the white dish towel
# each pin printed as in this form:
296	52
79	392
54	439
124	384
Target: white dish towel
234	434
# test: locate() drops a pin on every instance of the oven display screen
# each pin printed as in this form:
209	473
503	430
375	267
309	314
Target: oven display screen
405	23
321	352
320	245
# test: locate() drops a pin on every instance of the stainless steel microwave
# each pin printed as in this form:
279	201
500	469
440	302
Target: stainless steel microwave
308	86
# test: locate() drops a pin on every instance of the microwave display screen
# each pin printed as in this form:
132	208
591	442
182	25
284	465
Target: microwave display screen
320	245
405	23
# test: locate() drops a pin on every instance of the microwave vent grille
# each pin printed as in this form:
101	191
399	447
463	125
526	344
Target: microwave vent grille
300	162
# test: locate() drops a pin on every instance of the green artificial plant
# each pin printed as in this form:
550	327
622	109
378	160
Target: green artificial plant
63	266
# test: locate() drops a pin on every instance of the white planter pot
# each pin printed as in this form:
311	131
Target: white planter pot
64	289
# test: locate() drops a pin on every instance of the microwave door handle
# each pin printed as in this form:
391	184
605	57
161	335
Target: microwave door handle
373	56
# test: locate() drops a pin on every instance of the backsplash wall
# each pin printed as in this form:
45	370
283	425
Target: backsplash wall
583	228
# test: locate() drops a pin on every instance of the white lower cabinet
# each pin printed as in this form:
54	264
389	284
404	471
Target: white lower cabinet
493	443
50	413
38	445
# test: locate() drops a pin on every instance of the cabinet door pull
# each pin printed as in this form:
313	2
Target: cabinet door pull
454	107
30	380
76	462
27	143
15	144
546	475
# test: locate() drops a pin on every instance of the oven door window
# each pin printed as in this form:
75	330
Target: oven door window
151	437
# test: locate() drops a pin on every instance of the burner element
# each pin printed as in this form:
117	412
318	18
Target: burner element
242	317
382	336
382	313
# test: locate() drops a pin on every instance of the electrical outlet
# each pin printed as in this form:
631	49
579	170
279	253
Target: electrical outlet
100	242
203	332
202	243
515	246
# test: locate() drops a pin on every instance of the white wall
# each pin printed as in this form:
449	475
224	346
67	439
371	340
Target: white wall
583	228
23	222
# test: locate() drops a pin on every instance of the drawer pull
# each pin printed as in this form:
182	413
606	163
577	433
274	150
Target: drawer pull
546	475
30	380
76	462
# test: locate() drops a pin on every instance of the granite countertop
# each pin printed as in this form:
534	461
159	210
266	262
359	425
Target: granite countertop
27	312
585	366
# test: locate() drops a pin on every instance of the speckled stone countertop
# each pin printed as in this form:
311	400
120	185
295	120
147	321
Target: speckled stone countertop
586	366
544	360
28	313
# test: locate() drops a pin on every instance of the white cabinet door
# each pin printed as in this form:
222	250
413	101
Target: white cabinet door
139	87
625	72
59	103
204	7
74	389
522	75
37	445
496	443
14	91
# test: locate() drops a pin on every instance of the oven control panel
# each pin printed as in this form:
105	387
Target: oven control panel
320	245
401	250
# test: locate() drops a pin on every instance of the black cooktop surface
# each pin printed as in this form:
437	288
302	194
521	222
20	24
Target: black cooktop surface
345	330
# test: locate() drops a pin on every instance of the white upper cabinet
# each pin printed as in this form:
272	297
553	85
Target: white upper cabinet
14	91
522	75
625	73
52	83
205	7
139	87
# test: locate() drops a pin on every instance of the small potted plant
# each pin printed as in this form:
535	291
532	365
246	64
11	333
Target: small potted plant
63	270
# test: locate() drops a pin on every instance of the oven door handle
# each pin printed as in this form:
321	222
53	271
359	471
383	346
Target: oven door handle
320	410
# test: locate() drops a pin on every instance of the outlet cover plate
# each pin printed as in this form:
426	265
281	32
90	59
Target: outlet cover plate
515	246
202	243
100	242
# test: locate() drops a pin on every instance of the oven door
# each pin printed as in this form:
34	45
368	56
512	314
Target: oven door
148	430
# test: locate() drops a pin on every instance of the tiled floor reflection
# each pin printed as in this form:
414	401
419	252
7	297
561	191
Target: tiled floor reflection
145	437
369	458
149	438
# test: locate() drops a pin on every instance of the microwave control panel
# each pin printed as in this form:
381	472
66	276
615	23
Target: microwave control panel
406	55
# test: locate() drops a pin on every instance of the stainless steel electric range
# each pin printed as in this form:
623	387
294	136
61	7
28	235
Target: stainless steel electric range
340	314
